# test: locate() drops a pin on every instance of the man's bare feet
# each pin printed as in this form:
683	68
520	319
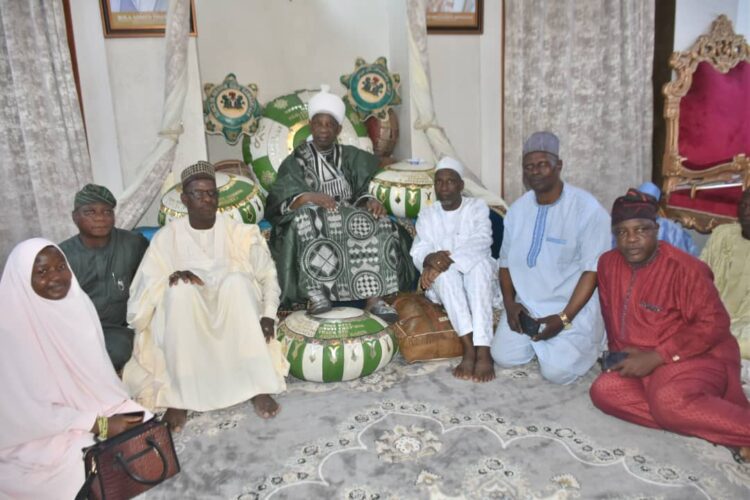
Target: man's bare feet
175	418
265	406
745	454
484	368
465	369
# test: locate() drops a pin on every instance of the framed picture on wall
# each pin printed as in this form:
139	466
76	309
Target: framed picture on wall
138	18
454	16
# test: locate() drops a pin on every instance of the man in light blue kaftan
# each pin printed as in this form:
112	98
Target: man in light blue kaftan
670	231
554	235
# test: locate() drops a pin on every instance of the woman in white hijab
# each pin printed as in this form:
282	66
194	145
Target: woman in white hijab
57	380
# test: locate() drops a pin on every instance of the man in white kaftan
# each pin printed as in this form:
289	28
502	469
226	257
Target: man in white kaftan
452	251
554	235
201	303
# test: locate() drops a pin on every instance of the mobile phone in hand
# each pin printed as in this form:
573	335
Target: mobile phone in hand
529	325
611	358
134	414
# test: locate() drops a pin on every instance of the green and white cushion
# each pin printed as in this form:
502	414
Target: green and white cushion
404	188
343	344
240	197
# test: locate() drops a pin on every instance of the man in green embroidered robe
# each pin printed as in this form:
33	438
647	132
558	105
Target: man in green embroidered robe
331	240
104	260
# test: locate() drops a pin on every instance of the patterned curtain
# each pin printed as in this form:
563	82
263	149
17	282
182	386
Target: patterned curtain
581	69
43	155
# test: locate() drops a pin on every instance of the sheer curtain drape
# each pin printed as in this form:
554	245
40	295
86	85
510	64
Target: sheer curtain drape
156	165
421	95
43	154
581	69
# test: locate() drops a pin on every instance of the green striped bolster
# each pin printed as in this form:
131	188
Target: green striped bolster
247	156
333	362
359	126
294	356
294	111
264	171
372	351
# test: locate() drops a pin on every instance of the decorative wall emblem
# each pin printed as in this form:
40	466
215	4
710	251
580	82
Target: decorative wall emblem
371	88
231	109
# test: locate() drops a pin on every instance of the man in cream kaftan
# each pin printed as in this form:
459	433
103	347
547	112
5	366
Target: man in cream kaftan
201	303
727	253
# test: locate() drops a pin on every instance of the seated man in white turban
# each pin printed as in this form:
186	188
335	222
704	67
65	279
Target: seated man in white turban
452	250
331	240
203	305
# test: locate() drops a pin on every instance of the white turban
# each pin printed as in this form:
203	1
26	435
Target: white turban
325	102
451	164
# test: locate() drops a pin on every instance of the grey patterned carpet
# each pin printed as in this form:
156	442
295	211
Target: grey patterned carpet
414	431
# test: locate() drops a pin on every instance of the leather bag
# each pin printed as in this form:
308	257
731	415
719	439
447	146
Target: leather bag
130	463
423	330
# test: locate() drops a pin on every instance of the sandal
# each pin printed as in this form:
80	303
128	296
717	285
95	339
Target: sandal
318	304
382	310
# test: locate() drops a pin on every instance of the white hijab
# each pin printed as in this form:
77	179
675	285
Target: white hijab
55	372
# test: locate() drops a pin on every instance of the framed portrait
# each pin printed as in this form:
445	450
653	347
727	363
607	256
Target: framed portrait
138	18
454	16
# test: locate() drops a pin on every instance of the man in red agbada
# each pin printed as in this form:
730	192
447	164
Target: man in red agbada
660	305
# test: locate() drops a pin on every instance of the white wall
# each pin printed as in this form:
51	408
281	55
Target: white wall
467	94
466	77
693	18
284	46
122	83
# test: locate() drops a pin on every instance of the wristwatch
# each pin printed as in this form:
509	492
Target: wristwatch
565	320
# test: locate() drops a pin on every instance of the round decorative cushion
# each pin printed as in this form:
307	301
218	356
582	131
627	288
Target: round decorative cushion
405	187
283	126
239	197
342	344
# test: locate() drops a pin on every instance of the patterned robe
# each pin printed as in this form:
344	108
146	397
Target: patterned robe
345	253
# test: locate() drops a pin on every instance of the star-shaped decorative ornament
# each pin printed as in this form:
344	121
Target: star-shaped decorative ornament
231	109
371	88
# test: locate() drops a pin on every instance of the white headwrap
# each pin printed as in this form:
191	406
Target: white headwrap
451	164
325	102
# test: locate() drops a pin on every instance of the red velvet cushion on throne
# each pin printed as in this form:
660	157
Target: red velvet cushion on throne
715	116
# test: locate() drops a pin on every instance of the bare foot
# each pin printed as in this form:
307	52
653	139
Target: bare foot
484	369
745	454
175	418
265	406
465	369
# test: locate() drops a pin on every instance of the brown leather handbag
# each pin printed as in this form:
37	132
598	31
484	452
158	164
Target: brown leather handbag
423	330
130	463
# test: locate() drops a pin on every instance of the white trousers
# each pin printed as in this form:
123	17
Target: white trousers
468	299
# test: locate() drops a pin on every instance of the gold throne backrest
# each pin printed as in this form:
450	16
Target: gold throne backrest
707	113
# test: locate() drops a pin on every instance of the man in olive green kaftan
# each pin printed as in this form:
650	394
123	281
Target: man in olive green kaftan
104	260
331	240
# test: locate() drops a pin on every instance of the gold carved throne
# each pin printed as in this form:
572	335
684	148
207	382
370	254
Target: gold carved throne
707	113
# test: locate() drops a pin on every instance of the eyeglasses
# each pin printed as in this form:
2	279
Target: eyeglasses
198	194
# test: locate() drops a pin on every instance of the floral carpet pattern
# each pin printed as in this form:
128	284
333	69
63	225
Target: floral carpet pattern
414	431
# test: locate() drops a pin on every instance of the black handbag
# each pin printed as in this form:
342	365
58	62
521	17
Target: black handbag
130	463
